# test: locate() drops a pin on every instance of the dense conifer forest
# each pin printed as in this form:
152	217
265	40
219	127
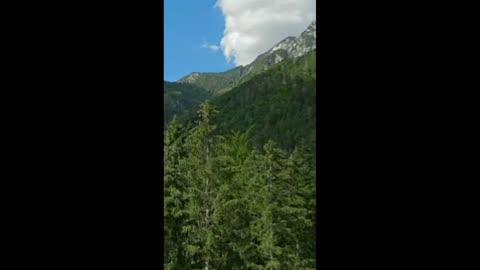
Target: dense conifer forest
229	206
240	164
179	98
279	104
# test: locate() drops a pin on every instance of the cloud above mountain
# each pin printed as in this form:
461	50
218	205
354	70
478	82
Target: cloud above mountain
254	26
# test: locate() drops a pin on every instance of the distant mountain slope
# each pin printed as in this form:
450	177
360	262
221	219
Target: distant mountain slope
180	98
280	103
290	47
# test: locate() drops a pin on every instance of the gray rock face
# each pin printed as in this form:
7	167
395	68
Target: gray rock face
296	47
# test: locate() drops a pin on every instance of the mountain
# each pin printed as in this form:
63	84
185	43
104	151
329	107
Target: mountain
179	98
279	104
276	94
240	169
221	82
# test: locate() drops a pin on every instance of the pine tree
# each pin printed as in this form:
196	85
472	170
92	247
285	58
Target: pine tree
296	193
303	174
228	206
231	216
175	187
200	173
266	206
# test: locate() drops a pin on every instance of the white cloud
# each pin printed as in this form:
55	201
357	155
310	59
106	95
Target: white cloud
254	26
212	47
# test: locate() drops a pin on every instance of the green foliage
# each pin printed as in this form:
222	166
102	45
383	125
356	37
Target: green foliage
179	98
240	181
280	103
230	206
218	83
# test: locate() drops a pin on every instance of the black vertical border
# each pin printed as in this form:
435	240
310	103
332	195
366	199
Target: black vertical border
91	155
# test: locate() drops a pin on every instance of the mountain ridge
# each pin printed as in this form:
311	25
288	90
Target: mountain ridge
221	82
180	97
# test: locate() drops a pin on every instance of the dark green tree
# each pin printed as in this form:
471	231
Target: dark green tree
175	189
200	172
230	206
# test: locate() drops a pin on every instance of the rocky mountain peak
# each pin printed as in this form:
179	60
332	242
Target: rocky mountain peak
290	47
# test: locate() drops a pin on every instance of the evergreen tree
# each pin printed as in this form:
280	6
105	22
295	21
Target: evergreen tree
229	206
231	216
200	173
175	188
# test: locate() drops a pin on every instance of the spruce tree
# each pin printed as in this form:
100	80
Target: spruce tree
229	206
175	188
203	179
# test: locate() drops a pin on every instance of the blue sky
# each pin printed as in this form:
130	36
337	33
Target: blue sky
191	25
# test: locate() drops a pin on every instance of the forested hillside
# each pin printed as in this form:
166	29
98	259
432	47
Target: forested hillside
240	166
279	104
179	98
228	206
216	82
289	48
